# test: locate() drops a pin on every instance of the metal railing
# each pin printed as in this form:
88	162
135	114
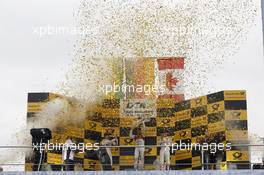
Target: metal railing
202	164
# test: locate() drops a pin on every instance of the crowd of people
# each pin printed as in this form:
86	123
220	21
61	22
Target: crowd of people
137	132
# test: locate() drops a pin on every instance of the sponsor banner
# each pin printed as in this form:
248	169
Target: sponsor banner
234	156
184	164
111	122
165	103
216	107
138	108
165	112
235	115
150	151
196	161
113	131
236	124
198	139
93	126
198	121
126	122
235	95
126	160
90	164
151	131
236	135
75	132
110	112
149	167
38	97
199	131
183	154
216	117
215	97
89	141
93	135
115	151
54	159
182	106
216	127
115	167
35	107
223	166
127	141
53	96
183	134
183	115
111	103
183	124
158	139
235	104
199	111
58	138
165	122
29	166
79	155
200	101
175	97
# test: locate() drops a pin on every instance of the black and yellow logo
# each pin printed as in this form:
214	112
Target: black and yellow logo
242	93
237	155
91	164
128	141
183	133
92	125
236	114
110	131
165	121
198	101
215	107
148	150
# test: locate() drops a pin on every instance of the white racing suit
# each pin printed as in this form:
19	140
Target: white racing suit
107	142
165	153
139	151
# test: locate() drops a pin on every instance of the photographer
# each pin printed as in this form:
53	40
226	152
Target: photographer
105	154
68	155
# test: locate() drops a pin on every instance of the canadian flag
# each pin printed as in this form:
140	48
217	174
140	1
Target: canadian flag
169	78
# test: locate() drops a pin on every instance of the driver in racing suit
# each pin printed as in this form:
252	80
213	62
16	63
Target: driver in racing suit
165	152
139	151
107	141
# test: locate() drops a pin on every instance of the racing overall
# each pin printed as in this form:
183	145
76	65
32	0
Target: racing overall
107	142
165	153
139	151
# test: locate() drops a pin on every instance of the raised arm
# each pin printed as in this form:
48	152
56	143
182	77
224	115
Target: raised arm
114	141
131	134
